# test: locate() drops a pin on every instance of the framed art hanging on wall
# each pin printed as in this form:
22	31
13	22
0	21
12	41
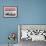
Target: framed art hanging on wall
10	11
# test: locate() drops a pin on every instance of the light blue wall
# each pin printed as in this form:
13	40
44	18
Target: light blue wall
29	12
7	25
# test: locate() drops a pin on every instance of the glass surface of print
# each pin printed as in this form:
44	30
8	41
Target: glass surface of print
10	11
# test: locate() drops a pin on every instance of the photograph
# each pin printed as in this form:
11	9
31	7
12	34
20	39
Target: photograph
32	32
29	34
10	11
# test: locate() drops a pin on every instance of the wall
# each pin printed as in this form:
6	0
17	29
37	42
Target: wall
7	25
29	12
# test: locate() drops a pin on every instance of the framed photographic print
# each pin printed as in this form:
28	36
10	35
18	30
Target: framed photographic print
10	11
32	32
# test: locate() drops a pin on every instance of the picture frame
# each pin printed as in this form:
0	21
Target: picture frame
36	32
10	11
